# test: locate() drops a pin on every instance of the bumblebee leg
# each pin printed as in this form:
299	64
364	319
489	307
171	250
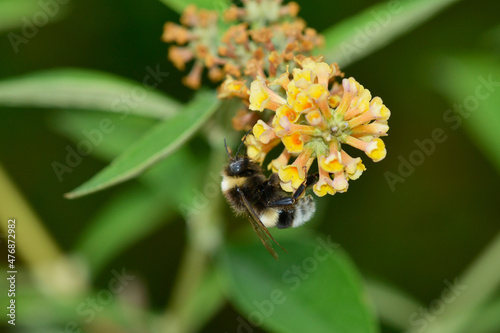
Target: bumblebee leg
312	179
300	191
286	201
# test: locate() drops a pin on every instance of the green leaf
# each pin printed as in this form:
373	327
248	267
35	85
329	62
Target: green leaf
73	125
155	145
375	27
473	83
313	288
179	5
12	13
124	220
135	214
78	125
87	90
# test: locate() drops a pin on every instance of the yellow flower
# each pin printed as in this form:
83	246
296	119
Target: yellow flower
340	183
231	87
286	111
279	162
261	97
292	176
316	120
322	188
258	96
330	163
257	150
293	142
263	132
376	150
324	185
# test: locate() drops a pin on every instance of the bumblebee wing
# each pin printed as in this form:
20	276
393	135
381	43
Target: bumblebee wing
257	225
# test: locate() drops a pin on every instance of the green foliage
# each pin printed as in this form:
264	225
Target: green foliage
179	5
375	27
315	288
71	124
128	217
12	12
86	90
473	81
155	145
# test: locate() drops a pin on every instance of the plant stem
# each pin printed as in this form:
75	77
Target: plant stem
34	244
204	237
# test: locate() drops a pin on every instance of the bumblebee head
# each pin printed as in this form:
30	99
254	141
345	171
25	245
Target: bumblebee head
239	166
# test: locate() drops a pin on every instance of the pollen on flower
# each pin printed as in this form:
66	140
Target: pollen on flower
315	119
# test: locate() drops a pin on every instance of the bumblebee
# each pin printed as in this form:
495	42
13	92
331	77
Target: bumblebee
248	191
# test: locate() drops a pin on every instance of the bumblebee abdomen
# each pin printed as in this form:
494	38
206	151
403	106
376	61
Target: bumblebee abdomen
302	212
285	219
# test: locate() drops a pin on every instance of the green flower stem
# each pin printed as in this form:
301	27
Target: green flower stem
34	245
193	267
204	237
475	287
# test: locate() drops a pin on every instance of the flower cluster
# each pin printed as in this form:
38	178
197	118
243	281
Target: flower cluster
262	38
262	55
316	120
198	34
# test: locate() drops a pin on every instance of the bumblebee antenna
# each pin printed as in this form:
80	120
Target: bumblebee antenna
242	142
227	149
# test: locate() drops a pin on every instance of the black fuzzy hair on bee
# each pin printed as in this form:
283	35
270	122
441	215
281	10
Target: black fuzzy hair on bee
248	191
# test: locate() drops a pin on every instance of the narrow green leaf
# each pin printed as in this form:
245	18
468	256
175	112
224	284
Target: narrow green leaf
133	215
179	5
13	13
80	125
85	89
375	27
123	221
313	288
155	145
77	125
472	82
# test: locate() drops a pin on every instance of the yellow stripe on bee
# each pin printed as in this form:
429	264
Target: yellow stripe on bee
269	217
229	183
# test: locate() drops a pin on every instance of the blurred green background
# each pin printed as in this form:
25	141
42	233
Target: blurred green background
428	229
